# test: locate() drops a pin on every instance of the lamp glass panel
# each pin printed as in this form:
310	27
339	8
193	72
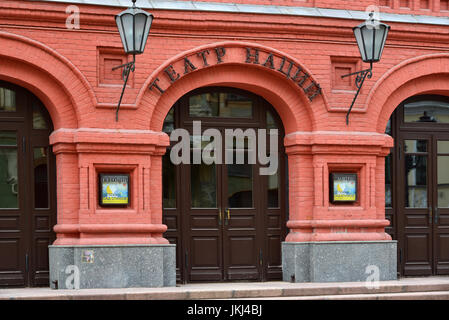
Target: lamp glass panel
379	42
358	37
368	39
386	29
141	20
128	28
118	20
146	31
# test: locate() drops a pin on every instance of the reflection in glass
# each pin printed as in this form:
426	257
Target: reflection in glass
443	146
7	100
40	159
8	138
415	181
203	185
169	122
388	181
412	146
388	129
227	105
39	121
271	124
202	141
168	182
443	181
427	111
9	187
273	190
240	185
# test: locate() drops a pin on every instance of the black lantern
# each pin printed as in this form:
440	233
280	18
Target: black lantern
134	26
371	37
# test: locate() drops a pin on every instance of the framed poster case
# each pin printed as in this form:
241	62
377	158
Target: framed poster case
114	189
343	187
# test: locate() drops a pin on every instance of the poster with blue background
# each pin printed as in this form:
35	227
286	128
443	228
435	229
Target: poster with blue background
344	187
114	189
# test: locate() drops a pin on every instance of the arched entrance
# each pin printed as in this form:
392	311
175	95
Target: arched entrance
417	185
27	188
227	219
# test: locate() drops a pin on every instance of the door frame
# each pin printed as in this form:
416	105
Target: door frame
182	119
427	131
35	269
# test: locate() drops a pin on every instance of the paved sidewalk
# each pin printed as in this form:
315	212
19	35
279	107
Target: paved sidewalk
414	288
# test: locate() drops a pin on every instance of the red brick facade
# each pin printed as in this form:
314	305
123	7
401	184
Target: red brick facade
70	72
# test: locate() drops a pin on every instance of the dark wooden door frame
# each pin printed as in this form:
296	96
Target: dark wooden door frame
440	217
421	216
267	270
432	132
35	226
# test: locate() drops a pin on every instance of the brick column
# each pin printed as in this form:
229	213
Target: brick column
330	241
84	153
312	157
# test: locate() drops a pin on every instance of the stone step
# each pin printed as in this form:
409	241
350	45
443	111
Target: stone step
434	287
435	295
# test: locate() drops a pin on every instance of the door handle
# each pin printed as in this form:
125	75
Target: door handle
220	216
228	214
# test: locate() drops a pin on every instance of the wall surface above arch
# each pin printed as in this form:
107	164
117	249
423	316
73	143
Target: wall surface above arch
294	61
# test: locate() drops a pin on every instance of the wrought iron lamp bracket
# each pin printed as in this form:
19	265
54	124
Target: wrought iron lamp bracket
127	69
359	80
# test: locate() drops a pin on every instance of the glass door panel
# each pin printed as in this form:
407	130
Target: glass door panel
416	181
203	184
443	181
9	182
273	190
41	185
240	186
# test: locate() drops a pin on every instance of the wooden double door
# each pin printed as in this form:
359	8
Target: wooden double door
419	186
227	219
27	189
424	203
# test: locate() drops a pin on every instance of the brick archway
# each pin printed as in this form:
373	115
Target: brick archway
289	100
296	110
52	78
64	92
427	74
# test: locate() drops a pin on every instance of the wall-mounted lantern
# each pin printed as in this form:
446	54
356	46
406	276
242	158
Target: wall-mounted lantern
134	26
371	37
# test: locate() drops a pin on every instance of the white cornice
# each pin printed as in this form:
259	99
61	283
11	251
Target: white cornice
260	9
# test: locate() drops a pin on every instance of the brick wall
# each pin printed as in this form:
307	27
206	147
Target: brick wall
70	71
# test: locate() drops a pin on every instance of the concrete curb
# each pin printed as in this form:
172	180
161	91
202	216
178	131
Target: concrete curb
432	288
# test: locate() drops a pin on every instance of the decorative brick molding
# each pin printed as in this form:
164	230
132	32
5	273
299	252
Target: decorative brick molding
426	74
312	157
82	154
52	77
291	100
